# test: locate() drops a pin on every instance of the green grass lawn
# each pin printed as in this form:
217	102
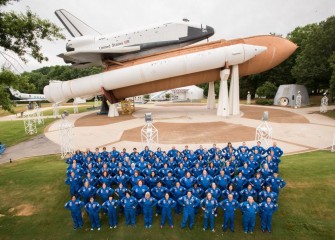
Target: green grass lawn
36	186
12	132
70	110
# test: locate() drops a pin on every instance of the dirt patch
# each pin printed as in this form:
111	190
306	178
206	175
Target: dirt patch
23	210
100	120
182	133
275	115
1	215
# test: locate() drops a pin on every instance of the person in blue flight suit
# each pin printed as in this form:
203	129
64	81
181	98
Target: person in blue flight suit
266	211
105	178
257	182
212	170
121	178
159	152
259	148
249	210
180	171
147	171
247	171
229	206
164	158
209	205
152	180
243	146
164	171
151	158
172	152
186	151
145	153
147	203
205	180
265	171
177	192
275	182
141	164
132	169
268	193
197	192
187	181
242	156
167	204
158	192
230	190
229	169
246	192
120	191
91	179
135	178
277	151
93	208
169	181
114	153
129	204
138	192
75	206
222	180
197	170
189	202
111	207
271	164
104	192
86	192
75	184
239	181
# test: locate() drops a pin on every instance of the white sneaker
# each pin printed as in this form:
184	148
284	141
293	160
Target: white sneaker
203	229
92	229
110	227
213	230
115	226
98	229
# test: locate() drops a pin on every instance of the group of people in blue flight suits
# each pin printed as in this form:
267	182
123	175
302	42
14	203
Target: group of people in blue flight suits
229	178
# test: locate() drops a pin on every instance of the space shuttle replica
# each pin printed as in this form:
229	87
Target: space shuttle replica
157	58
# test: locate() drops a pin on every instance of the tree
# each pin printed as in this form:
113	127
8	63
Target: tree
268	90
7	78
20	33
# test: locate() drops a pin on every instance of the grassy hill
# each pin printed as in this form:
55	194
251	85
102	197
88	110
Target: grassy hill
33	193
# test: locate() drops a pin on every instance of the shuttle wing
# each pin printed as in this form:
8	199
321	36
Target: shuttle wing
92	56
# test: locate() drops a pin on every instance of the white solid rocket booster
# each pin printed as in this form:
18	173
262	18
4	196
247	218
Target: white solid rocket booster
58	91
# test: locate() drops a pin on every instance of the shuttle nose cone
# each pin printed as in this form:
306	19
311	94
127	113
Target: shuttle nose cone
251	51
278	50
210	31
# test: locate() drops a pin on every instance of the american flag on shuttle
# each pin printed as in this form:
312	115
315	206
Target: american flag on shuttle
126	42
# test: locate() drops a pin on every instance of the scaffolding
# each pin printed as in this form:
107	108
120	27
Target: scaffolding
66	135
29	122
264	131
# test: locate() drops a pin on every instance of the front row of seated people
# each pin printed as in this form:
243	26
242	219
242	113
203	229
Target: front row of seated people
202	181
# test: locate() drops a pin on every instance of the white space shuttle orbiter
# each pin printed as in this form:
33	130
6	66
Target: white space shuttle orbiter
89	48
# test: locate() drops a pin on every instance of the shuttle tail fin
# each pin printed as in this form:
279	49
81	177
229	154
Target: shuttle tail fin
14	92
75	26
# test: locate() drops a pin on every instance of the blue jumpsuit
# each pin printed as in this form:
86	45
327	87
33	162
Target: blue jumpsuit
257	184
210	207
93	210
129	205
275	183
245	193
159	193
266	211
147	205
139	192
176	194
205	182
188	214
75	208
249	212
111	207
75	184
187	182
222	181
167	206
86	193
169	182
264	194
104	193
239	183
229	208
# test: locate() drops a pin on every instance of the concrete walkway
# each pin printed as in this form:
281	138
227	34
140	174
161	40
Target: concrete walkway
292	137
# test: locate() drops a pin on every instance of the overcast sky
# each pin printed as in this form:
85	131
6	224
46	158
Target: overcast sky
230	19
